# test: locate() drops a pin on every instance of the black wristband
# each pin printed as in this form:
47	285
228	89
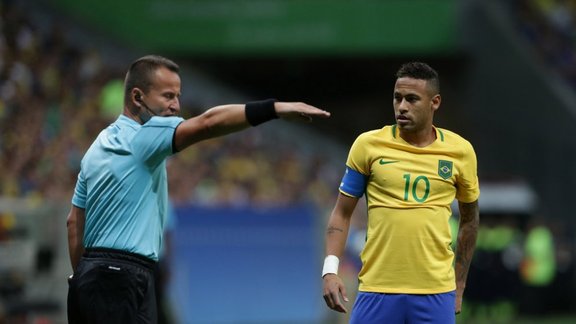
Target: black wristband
258	112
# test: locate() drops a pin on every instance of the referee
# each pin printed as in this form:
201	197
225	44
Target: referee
120	202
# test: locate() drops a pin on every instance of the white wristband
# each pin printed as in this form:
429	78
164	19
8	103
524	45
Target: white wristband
331	263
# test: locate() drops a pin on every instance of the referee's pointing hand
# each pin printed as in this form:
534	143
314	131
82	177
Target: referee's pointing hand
299	111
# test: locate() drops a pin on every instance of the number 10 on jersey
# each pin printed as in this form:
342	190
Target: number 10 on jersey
412	187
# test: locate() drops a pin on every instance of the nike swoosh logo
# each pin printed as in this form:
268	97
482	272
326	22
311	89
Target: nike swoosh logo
382	162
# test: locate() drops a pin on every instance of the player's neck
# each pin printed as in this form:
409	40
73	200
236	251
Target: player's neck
421	138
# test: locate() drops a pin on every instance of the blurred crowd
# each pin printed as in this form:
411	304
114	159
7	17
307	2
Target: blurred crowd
48	107
255	168
56	96
550	26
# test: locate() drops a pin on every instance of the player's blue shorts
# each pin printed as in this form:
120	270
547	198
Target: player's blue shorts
372	308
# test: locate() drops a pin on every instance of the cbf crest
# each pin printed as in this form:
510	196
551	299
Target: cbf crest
445	169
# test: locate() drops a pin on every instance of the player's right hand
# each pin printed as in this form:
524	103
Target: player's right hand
334	293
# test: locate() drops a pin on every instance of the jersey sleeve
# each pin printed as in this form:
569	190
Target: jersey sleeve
155	139
467	186
358	157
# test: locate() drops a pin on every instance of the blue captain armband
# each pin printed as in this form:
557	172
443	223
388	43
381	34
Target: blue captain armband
353	183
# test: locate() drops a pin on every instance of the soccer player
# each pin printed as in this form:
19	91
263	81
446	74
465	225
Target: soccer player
410	173
115	225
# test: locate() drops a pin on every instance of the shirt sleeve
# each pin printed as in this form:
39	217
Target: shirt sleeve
154	141
358	157
79	197
467	187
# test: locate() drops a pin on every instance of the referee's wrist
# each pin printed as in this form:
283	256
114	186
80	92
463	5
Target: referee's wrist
331	263
258	112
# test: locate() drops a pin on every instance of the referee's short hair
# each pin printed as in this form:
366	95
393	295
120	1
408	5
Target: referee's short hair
140	73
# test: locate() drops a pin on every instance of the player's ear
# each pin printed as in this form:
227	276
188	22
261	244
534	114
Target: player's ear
436	100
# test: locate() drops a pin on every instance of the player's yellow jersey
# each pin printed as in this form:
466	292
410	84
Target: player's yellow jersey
409	191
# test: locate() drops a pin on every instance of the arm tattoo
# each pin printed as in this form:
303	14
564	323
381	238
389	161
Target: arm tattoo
332	229
469	222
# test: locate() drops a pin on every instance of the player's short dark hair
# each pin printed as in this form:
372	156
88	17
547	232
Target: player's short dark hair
420	71
141	72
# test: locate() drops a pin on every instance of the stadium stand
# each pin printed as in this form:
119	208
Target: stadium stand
549	26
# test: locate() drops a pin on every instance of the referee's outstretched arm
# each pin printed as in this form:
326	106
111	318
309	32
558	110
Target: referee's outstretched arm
226	119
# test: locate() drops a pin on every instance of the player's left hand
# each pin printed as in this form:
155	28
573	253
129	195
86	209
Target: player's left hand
299	111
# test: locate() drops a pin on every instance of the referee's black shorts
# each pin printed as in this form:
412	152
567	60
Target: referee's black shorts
112	286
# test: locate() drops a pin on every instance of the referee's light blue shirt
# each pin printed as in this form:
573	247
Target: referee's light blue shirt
123	186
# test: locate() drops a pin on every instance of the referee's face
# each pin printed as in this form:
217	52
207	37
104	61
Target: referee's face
163	96
414	104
